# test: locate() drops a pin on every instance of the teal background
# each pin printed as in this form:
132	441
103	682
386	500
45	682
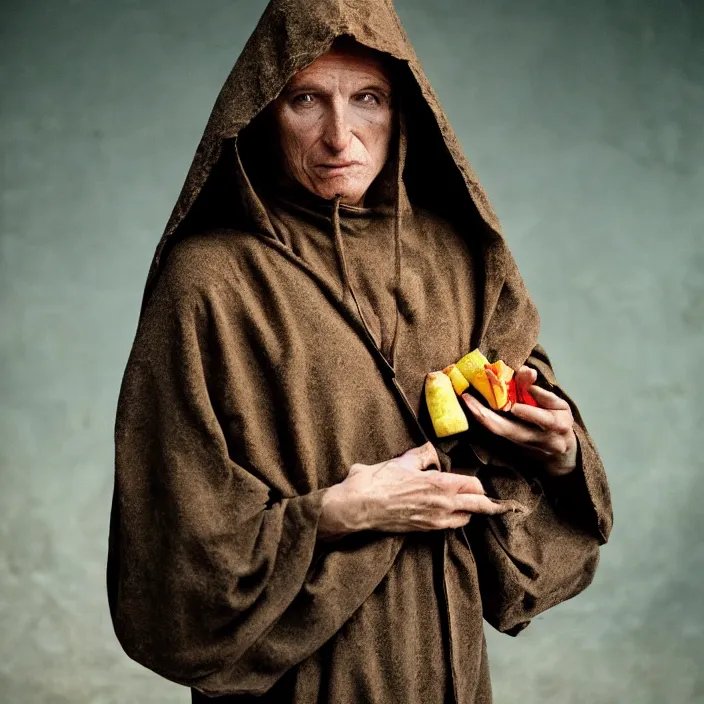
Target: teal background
583	122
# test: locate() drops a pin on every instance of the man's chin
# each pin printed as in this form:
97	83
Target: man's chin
352	193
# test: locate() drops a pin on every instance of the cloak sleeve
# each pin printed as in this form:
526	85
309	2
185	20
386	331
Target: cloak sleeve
212	583
530	561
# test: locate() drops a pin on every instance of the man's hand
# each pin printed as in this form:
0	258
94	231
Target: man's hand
402	495
553	441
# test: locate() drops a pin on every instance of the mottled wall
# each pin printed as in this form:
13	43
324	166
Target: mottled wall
584	122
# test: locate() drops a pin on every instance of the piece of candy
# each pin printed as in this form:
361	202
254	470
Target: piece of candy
498	388
499	374
518	395
472	366
511	390
445	411
459	382
523	396
472	363
502	370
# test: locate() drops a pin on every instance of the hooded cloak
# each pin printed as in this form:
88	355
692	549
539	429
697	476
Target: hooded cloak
283	338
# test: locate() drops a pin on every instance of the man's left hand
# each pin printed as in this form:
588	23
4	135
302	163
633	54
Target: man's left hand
552	441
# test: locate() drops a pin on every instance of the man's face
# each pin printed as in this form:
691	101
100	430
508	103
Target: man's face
335	124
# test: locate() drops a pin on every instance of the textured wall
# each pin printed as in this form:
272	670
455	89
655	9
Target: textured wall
583	120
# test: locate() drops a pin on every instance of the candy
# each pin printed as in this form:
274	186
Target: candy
459	382
446	413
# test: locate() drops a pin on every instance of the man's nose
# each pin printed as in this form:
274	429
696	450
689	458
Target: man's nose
337	129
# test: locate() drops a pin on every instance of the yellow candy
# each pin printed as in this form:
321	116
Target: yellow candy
472	363
472	368
445	411
459	383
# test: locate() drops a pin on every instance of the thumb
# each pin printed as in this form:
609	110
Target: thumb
526	377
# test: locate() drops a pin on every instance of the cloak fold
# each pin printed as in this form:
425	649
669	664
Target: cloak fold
255	381
532	560
216	586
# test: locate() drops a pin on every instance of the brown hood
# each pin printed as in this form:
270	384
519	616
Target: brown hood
290	35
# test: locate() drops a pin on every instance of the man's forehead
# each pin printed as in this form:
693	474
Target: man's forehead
356	62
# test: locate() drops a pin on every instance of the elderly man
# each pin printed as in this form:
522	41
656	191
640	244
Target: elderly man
286	526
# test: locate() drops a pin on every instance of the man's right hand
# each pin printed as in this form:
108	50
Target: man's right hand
401	495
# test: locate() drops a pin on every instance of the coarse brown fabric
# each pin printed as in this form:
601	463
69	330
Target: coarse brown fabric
283	338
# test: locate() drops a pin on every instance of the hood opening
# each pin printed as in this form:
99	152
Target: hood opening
249	162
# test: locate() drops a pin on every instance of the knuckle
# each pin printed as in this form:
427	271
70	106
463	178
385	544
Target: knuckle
449	482
477	486
447	504
557	446
471	485
431	454
447	522
436	479
563	424
439	503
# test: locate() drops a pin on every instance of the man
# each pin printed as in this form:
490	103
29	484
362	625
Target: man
286	527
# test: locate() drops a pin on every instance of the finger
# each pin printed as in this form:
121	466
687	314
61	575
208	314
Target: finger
458	483
474	404
526	377
542	417
547	399
478	504
459	519
468	485
501	425
420	457
552	445
539	452
429	456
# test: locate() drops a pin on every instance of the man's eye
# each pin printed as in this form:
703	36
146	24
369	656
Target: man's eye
368	98
304	99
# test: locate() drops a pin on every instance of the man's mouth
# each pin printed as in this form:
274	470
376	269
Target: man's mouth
337	168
